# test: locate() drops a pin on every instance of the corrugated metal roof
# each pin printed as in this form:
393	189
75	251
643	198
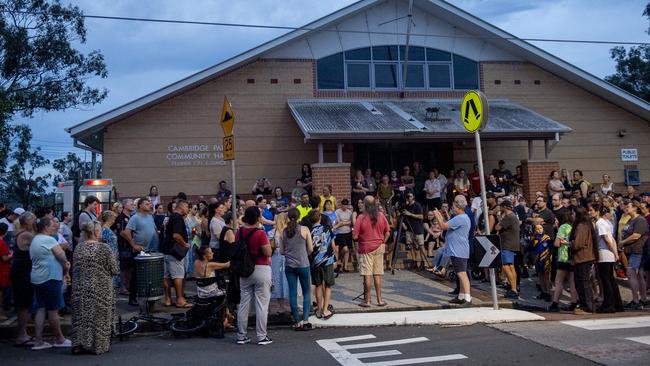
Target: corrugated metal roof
327	119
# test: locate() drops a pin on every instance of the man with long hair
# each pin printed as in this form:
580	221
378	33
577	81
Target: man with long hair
371	230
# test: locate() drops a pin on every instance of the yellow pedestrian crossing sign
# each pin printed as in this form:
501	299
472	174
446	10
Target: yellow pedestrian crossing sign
227	117
474	111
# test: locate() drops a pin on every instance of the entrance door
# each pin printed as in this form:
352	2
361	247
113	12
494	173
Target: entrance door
394	156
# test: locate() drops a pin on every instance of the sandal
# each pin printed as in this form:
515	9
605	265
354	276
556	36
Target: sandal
382	304
364	304
186	305
26	343
331	314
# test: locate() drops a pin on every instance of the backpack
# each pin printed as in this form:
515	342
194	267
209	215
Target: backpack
76	229
241	262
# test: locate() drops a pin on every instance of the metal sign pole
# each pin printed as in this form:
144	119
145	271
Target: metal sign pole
479	157
234	195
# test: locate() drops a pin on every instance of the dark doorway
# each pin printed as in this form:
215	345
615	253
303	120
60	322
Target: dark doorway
393	156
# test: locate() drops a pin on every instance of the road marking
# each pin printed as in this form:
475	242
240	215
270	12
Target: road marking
387	343
644	340
612	323
343	356
378	354
412	361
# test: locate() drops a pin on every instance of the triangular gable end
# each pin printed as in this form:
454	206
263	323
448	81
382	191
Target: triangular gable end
469	33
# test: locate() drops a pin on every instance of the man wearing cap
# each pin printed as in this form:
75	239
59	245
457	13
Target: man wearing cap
508	228
9	219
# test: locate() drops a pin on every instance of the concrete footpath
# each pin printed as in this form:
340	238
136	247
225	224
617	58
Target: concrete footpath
404	291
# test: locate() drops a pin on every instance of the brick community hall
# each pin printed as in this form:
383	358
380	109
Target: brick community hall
332	95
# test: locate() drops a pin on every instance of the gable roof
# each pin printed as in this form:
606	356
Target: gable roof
450	13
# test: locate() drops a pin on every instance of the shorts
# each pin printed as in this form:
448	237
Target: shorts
323	275
48	295
634	261
508	257
343	240
127	260
568	267
174	268
459	264
416	240
372	263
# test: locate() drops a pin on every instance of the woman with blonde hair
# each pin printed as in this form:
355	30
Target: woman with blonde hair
280	291
93	295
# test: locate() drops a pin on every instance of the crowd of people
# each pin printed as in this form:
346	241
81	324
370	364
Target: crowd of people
575	232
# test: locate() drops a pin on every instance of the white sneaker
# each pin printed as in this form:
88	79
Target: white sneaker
38	347
65	344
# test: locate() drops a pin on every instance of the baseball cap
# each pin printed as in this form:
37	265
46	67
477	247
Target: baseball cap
19	211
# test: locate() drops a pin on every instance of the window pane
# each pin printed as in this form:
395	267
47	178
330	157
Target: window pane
465	73
330	72
386	76
437	55
360	54
439	76
415	76
358	75
415	53
388	53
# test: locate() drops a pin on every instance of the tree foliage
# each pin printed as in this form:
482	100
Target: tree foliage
633	67
21	182
40	69
71	166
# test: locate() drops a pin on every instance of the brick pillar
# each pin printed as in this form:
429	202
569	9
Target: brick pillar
336	174
535	174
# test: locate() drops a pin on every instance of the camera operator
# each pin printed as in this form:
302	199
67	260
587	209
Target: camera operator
414	215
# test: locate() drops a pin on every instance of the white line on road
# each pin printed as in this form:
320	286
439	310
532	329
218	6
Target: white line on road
612	323
412	361
644	340
341	354
386	343
377	354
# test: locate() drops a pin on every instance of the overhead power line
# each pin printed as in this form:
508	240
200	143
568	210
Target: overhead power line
290	28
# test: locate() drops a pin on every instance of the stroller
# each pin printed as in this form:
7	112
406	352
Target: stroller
206	317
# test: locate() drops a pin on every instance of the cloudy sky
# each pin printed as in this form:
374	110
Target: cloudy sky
143	57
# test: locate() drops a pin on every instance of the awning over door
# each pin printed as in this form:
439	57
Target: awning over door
430	120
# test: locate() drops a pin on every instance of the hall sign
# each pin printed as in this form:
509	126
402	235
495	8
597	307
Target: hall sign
195	155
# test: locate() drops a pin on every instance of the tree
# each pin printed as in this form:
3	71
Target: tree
72	167
40	70
21	182
633	67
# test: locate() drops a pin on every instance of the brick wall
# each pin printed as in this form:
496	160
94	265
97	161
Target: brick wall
535	174
336	174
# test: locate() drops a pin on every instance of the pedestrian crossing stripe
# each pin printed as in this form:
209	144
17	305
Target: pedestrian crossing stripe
610	323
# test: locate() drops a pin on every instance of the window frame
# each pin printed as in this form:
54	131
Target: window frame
399	65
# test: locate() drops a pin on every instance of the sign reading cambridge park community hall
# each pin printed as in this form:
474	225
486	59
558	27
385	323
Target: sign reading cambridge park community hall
474	111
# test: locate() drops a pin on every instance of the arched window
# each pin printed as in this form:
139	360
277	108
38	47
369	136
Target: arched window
381	68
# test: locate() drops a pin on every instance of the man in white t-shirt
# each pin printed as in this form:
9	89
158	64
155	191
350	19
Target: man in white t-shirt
9	219
477	207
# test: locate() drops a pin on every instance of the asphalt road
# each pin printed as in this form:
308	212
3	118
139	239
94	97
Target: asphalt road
471	345
610	341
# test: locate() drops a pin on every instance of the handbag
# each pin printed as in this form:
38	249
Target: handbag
178	251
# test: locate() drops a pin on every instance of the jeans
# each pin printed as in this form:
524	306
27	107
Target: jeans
293	276
583	285
611	295
440	260
256	287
